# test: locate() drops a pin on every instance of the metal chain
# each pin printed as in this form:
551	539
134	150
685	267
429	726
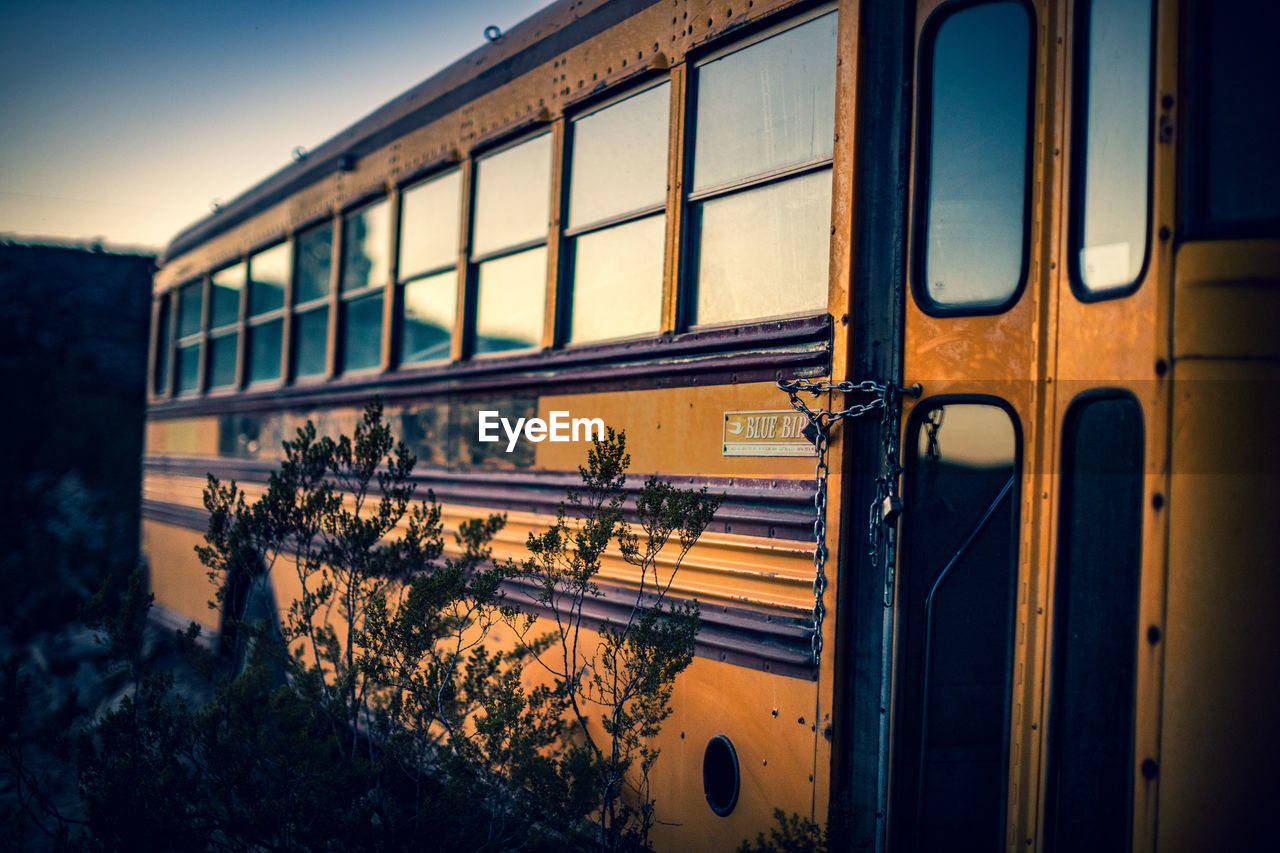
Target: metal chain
820	423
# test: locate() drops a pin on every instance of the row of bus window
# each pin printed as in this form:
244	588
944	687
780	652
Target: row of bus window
758	207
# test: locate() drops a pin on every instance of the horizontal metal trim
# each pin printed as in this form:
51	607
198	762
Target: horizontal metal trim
757	637
402	116
759	352
513	249
617	219
769	508
794	170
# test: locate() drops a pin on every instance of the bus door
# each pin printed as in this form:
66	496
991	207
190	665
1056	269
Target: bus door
967	339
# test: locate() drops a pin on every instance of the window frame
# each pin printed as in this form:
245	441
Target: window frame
226	330
1079	150
548	241
566	268
922	136
459	265
160	369
689	239
283	313
344	298
195	339
327	301
911	462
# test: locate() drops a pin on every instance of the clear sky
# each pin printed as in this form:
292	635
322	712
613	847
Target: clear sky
124	121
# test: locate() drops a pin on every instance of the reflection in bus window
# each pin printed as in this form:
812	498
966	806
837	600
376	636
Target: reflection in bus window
187	353
511	218
510	309
760	209
1112	144
366	265
312	267
956	596
429	214
616	216
268	276
974	129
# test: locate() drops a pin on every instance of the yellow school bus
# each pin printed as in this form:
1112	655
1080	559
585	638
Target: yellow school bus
965	307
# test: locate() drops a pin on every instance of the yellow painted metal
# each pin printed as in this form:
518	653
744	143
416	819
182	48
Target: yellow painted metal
182	437
178	579
674	430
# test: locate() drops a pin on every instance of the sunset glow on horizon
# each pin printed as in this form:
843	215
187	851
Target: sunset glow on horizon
126	124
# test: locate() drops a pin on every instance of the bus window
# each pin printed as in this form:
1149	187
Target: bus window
616	216
429	229
1112	145
226	288
313	262
760	205
956	600
160	367
1233	124
509	245
1095	634
971	240
366	266
187	353
268	275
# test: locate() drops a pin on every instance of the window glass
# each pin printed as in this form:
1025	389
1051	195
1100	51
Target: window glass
187	367
769	105
222	360
430	305
976	127
1113	145
159	377
1234	123
955	656
764	252
264	344
311	335
429	225
512	196
362	332
189	300
511	303
269	271
1095	635
225	296
631	132
314	261
760	239
617	281
366	247
617	270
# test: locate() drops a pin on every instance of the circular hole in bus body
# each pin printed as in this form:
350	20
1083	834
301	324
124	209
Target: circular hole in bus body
720	775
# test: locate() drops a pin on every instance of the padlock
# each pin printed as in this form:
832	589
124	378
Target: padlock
890	509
